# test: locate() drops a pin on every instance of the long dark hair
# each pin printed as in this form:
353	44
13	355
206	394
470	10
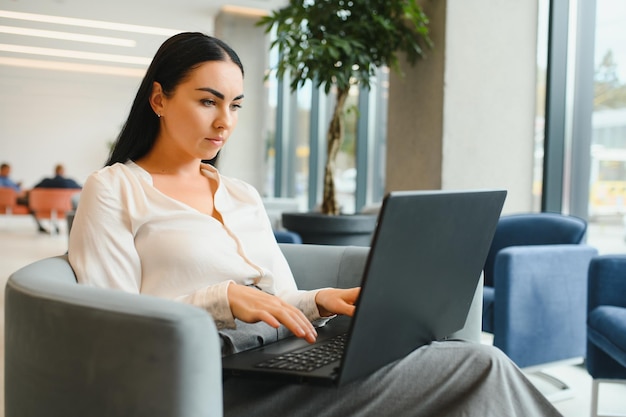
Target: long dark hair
176	57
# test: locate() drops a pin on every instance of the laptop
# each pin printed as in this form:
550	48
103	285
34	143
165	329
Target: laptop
424	264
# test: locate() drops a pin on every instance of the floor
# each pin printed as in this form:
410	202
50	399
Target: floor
21	244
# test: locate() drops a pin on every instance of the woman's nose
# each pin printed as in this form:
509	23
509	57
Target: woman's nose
223	120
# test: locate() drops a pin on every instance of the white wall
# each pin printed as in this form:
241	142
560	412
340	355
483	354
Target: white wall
49	117
244	154
52	116
486	130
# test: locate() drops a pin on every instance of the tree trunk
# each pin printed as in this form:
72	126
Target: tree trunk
333	141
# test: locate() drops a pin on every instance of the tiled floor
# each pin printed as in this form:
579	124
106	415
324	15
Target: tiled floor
21	244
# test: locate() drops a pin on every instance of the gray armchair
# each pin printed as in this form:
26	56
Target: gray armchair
74	350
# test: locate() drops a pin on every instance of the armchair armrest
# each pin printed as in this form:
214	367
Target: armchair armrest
607	281
106	352
606	351
541	297
318	266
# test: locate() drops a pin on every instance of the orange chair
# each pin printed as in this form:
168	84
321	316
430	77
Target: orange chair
8	202
51	203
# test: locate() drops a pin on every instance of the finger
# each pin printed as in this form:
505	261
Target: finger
344	309
337	301
275	311
266	317
297	323
251	305
353	294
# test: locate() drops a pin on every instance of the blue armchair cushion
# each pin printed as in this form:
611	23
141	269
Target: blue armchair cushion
606	328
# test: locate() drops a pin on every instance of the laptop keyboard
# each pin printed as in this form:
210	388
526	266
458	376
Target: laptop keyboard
309	358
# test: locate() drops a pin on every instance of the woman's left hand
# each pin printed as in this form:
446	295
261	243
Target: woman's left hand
337	301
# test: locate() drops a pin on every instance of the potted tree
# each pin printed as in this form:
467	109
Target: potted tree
336	44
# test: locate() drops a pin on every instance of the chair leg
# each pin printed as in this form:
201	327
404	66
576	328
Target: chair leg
595	396
7	217
54	223
595	385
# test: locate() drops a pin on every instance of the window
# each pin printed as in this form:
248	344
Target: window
296	150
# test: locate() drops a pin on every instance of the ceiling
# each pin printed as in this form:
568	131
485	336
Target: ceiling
116	37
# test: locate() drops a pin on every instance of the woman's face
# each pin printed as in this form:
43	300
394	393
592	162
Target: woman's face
200	115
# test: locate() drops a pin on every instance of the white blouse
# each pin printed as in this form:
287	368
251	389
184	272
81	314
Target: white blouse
128	235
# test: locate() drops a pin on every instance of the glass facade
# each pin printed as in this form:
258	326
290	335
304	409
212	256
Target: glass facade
296	150
607	148
540	108
302	117
608	140
592	172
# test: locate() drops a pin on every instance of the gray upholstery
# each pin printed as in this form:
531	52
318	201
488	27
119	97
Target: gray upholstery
73	350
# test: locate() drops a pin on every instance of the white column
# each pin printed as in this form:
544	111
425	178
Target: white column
244	155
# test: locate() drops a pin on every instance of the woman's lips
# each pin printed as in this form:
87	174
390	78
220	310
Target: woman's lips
216	141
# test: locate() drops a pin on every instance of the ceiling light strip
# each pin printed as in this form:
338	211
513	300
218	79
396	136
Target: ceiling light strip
66	53
78	37
100	24
246	11
72	67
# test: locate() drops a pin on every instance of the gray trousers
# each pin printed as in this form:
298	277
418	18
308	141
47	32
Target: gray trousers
452	378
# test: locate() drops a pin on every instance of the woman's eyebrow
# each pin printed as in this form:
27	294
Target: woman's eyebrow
217	93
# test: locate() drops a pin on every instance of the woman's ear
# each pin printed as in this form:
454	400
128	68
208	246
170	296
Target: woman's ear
156	98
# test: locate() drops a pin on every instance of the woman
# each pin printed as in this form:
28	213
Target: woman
163	223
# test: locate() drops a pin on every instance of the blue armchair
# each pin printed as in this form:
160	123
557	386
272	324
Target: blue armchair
286	236
536	288
606	323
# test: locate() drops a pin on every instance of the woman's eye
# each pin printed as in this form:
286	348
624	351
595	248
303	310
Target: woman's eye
236	106
208	102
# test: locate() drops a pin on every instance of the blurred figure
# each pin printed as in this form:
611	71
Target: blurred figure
5	178
58	181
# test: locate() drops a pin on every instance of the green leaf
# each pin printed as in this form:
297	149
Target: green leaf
360	35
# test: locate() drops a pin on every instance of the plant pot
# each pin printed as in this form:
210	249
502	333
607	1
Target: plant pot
323	229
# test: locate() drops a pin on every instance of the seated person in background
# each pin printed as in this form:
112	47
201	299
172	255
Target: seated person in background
156	220
57	181
7	182
5	179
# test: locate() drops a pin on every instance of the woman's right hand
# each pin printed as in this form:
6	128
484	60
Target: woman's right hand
251	305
